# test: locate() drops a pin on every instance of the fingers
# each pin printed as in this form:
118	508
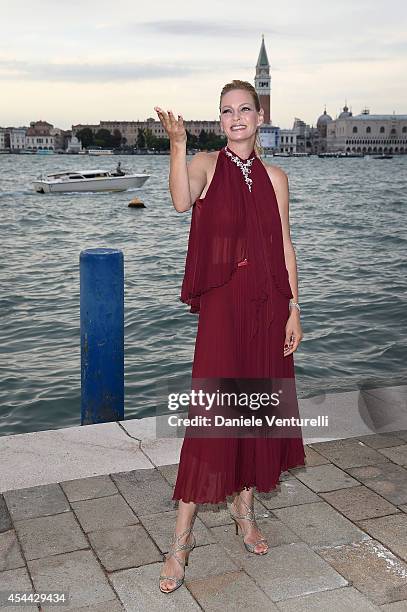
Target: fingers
162	115
291	344
168	119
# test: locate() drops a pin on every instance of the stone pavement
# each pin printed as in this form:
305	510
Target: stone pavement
337	531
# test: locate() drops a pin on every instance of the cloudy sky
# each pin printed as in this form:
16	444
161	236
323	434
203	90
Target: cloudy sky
79	61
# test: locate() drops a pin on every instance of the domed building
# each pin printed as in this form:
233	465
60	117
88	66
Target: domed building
367	134
322	126
345	113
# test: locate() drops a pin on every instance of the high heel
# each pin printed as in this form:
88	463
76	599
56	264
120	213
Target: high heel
176	547
249	516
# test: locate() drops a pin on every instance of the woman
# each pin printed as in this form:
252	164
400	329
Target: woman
241	276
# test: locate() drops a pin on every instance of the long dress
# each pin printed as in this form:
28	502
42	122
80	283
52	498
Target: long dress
239	337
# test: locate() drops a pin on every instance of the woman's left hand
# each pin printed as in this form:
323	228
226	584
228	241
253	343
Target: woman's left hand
293	332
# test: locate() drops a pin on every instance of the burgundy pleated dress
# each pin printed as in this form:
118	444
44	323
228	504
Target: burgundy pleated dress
236	279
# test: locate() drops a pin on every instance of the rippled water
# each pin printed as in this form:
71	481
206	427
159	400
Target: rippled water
347	225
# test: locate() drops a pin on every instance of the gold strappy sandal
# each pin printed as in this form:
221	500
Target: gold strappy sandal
249	516
174	548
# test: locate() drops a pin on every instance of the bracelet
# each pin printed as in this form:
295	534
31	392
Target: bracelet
297	306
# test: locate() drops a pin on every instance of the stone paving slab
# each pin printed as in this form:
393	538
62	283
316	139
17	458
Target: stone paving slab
382	440
387	479
169	472
16	580
358	503
162	450
138	590
319	524
291	570
32	502
94	514
345	599
5	519
108	606
312	457
50	535
324	478
146	491
396	606
45	457
10	554
124	547
397	454
77	573
349	453
391	531
373	569
230	591
89	488
292	492
210	560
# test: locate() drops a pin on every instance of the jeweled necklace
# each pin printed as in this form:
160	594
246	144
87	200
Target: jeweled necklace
244	166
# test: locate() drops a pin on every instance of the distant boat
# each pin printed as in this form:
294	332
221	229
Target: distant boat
384	156
88	180
100	152
45	151
299	154
340	154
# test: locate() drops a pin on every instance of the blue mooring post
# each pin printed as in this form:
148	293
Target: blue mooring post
102	335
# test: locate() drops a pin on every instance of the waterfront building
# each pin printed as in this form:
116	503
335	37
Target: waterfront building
129	130
40	136
12	138
366	133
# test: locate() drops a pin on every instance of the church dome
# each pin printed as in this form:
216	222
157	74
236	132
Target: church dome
345	113
323	119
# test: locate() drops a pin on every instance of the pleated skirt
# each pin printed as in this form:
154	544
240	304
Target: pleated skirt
214	469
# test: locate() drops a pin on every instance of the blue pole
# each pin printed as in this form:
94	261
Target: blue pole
102	335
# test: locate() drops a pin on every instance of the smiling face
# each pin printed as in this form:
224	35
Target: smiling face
238	115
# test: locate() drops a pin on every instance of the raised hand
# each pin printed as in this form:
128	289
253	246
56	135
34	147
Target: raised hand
174	128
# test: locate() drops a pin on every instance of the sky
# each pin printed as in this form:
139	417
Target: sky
82	61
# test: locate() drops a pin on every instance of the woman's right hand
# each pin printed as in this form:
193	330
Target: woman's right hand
175	129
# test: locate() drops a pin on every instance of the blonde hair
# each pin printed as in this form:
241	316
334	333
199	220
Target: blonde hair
236	84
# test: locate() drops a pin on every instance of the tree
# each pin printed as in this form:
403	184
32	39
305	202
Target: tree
86	137
203	139
117	138
103	138
141	141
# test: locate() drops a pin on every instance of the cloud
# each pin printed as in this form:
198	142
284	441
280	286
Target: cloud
191	27
94	72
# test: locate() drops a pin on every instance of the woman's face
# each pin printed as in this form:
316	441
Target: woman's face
238	116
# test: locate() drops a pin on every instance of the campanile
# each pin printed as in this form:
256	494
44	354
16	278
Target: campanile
262	81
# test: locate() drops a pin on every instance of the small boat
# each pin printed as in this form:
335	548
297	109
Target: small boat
100	152
341	155
384	156
88	180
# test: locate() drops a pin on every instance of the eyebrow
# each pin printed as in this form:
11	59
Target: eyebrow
242	104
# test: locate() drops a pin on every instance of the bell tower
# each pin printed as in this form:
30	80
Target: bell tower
262	81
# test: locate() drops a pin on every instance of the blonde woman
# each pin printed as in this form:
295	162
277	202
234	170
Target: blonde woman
241	277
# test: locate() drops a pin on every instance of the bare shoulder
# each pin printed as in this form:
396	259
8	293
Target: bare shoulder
203	159
277	176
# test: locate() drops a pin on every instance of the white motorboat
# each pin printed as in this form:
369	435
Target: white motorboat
88	180
100	152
